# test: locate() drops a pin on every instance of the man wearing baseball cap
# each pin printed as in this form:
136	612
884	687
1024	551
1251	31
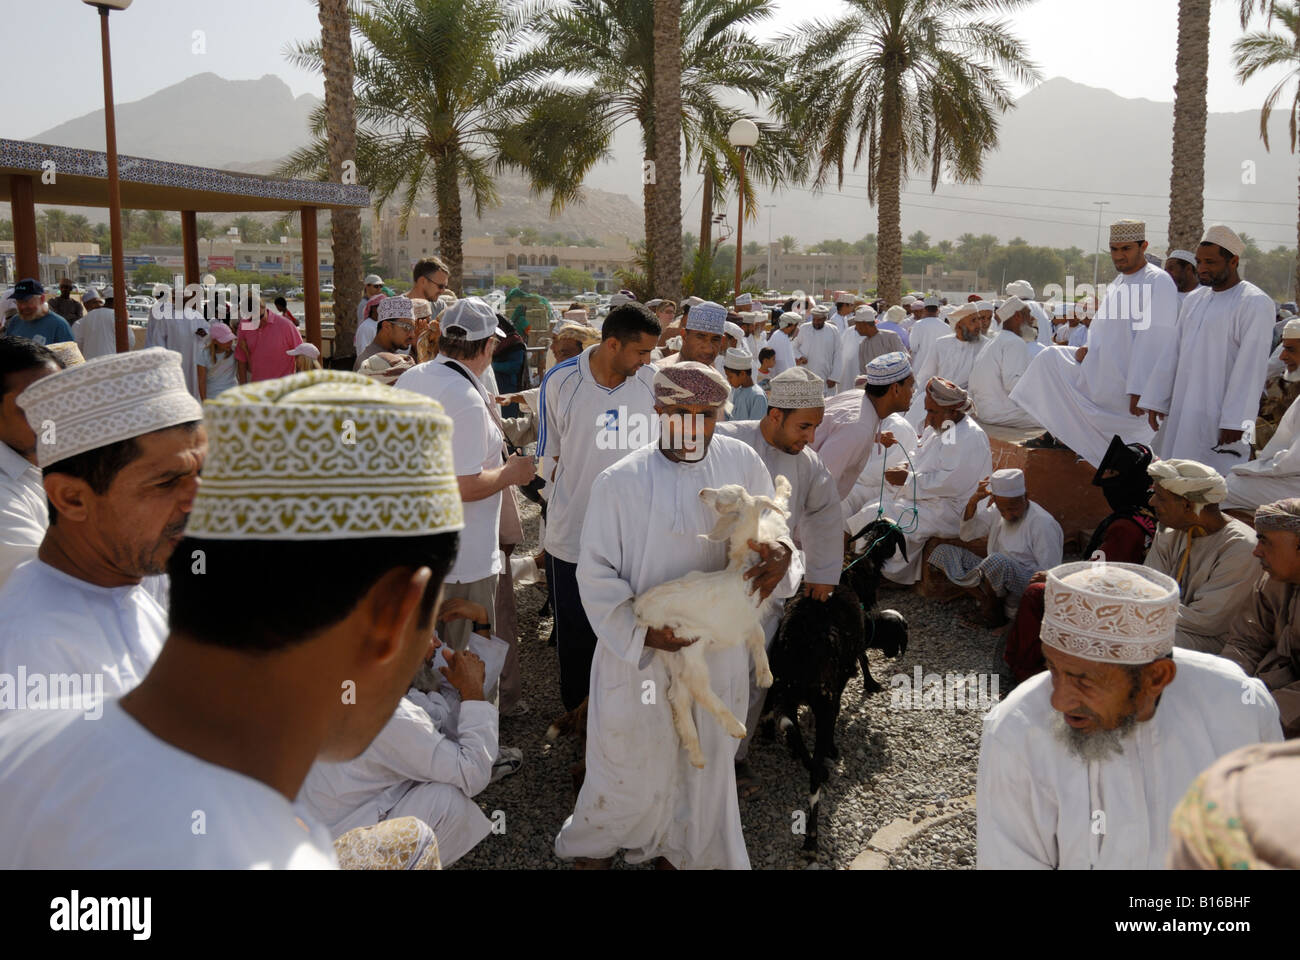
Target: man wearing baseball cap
374	286
35	320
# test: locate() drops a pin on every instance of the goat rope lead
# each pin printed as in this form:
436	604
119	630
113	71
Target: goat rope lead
914	523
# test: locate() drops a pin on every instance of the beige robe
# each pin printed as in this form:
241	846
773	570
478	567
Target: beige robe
1265	642
1217	584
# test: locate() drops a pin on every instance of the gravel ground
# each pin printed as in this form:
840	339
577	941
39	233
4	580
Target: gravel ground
893	759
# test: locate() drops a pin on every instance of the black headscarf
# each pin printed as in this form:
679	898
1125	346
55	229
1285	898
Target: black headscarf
1128	491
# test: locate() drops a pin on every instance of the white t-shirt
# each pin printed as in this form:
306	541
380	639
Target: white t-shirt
82	793
475	446
366	331
590	429
96	333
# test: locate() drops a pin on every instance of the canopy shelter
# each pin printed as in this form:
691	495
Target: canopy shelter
32	173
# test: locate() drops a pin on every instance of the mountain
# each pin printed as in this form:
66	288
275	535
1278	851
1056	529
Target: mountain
220	122
1063	146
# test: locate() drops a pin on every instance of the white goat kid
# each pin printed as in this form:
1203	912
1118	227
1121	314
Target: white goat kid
716	608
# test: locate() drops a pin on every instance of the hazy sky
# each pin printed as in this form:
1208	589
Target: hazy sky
1127	46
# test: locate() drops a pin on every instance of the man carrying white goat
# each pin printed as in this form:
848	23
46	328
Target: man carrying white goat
646	525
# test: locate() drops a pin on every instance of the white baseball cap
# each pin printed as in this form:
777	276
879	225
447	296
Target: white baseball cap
474	316
373	280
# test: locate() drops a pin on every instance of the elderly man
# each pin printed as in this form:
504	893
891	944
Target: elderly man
120	489
1206	386
35	321
702	340
748	402
873	341
850	431
24	515
1275	472
199	765
1000	366
781	440
893	320
395	332
595	408
1081	766
1085	397
1181	267
1022	537
819	345
645	526
1264	640
927	500
984	313
928	328
952	358
1210	556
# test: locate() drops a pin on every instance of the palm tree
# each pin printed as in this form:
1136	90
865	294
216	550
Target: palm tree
79	229
666	218
788	243
909	84
155	224
56	223
340	128
438	84
1187	176
1262	50
607	50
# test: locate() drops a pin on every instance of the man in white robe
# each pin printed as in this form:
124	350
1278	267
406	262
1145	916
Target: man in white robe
1081	765
875	341
80	606
432	757
842	318
819	344
176	327
96	332
781	441
927	500
1022	538
952	358
644	527
261	675
1206	386
1274	474
783	342
1087	396
850	340
1000	366
928	328
1210	556
870	483
850	430
1181	267
24	516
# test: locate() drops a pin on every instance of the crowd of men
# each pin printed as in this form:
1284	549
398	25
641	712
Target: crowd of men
1171	649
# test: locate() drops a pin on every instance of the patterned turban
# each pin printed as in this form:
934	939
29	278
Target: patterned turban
1190	480
691	384
947	394
1283	515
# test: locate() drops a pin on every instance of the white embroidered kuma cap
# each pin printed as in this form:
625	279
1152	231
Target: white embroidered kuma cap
325	455
106	400
1117	613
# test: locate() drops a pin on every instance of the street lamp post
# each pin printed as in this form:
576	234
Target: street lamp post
743	135
1100	204
770	284
121	334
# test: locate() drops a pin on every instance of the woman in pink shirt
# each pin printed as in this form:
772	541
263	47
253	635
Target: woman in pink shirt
262	351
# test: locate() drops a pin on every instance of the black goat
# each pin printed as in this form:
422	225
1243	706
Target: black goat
819	647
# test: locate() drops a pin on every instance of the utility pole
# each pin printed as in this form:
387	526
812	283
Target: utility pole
1100	204
770	284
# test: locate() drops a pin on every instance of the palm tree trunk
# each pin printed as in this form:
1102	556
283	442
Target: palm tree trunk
1187	178
889	185
667	148
341	133
446	187
1296	295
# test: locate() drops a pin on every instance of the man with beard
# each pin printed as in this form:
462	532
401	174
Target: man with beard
120	443
952	358
1080	767
819	345
1085	397
1205	387
646	525
1181	266
1023	538
1275	471
781	439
